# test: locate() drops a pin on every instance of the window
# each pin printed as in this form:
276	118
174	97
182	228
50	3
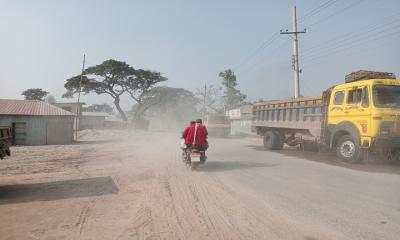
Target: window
339	96
386	96
365	98
354	96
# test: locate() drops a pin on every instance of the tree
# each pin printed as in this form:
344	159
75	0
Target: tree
210	99
232	97
139	87
109	77
171	103
34	94
99	108
51	99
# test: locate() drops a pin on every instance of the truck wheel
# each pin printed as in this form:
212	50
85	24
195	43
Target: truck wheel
272	141
348	149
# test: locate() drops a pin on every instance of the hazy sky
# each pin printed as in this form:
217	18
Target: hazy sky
190	42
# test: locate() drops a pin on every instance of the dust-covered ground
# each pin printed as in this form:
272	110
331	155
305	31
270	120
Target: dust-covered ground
133	185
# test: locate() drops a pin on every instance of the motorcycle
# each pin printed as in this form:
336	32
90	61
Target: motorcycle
193	156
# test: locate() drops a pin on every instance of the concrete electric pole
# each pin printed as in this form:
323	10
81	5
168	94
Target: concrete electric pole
295	57
204	102
78	109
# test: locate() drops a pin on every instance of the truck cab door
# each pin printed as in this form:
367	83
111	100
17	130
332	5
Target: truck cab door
357	108
336	108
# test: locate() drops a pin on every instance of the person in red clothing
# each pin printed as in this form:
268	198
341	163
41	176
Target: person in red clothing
186	131
197	136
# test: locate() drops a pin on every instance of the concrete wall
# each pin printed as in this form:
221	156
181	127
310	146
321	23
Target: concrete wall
37	126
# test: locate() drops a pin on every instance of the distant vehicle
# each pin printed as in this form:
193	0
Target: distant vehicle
5	142
217	125
355	118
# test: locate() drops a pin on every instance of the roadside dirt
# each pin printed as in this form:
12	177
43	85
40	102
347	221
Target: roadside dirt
130	185
375	164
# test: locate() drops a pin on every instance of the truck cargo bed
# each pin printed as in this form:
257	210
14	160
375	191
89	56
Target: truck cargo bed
301	113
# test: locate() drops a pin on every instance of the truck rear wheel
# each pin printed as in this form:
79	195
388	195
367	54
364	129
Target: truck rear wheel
348	149
273	141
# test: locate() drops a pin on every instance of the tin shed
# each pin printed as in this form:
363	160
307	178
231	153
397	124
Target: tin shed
36	123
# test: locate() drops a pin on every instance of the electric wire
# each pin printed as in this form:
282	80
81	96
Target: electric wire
365	37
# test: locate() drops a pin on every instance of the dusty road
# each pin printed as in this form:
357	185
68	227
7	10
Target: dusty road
133	186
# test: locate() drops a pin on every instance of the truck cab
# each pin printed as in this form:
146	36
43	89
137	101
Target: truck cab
364	114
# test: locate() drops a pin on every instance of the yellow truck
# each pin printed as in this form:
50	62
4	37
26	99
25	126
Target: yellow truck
353	119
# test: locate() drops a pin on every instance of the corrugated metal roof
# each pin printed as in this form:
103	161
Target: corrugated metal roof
30	108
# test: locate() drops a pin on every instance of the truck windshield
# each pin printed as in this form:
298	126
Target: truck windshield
387	96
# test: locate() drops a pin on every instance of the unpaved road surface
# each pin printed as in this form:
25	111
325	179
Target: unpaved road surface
132	185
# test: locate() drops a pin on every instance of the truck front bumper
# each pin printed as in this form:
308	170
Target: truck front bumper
387	142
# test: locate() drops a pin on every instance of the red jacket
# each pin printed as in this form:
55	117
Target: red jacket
197	135
186	132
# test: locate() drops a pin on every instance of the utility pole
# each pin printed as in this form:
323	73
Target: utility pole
295	57
79	98
204	101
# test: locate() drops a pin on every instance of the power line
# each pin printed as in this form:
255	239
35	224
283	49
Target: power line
350	46
257	51
317	10
271	53
348	36
346	42
335	13
275	36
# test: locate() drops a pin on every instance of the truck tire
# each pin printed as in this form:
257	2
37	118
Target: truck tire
348	149
273	141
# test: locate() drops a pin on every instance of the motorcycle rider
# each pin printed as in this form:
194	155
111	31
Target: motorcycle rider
186	131
185	143
197	136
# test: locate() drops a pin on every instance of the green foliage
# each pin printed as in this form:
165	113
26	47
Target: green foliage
34	94
178	103
108	77
139	88
114	78
232	97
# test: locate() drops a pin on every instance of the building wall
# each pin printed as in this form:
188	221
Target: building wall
92	122
37	127
73	108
